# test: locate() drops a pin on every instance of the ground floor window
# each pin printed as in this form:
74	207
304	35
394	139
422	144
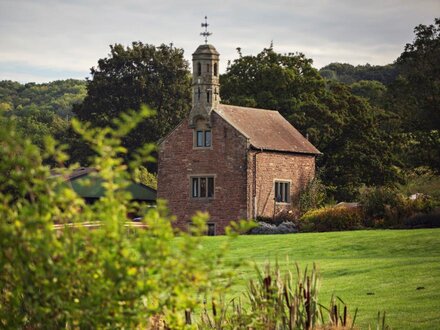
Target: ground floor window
202	187
282	191
211	229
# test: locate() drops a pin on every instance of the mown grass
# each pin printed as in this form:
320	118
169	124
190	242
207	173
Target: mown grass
396	271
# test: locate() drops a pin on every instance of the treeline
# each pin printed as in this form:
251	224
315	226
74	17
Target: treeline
373	124
348	74
41	109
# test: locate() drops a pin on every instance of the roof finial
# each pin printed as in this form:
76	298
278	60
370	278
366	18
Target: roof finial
206	34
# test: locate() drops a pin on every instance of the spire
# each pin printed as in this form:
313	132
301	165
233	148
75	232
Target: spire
205	33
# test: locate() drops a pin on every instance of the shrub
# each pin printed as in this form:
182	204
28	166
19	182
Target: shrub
386	207
424	220
313	196
332	219
280	217
79	278
264	228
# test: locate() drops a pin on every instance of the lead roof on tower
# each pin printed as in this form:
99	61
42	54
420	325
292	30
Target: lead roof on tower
206	49
266	129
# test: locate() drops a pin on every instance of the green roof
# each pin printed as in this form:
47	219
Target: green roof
87	184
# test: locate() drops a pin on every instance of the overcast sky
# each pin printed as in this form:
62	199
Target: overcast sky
45	40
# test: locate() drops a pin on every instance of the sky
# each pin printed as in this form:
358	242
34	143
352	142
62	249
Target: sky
46	40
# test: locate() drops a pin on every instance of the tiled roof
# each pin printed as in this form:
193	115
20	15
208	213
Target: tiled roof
266	129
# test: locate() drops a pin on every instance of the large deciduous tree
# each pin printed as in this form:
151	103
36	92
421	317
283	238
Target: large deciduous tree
136	75
343	126
415	97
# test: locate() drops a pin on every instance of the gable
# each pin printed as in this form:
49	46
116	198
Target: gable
266	129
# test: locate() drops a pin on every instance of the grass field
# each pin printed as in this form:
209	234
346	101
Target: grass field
397	271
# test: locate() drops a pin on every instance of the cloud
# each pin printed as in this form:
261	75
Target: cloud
57	38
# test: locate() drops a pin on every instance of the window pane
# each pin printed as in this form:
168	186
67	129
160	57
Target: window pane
202	187
207	138
195	187
286	192
210	187
199	138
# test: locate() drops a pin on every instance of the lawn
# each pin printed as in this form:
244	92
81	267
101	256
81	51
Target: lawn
397	271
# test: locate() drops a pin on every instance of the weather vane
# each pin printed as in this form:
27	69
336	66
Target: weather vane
206	34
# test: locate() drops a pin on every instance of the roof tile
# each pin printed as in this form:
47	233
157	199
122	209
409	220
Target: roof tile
266	129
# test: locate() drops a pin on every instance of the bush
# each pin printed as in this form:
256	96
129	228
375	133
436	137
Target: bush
280	217
264	228
424	220
386	207
78	278
313	196
331	219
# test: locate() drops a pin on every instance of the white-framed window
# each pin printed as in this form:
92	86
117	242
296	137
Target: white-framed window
282	191
202	187
203	138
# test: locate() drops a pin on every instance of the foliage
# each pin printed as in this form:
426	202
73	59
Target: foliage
386	207
145	177
415	97
344	127
373	91
349	74
313	196
74	277
266	228
277	301
136	75
421	180
422	220
270	80
56	97
40	110
332	219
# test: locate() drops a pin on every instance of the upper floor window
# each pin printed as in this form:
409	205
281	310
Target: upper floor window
282	191
215	69
199	69
203	138
207	67
202	187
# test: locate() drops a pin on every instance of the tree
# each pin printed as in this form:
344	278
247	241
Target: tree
348	74
136	75
341	125
415	97
372	90
270	81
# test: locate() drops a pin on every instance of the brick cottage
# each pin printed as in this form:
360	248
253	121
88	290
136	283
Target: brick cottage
232	162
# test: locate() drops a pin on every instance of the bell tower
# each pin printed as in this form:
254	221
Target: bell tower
205	80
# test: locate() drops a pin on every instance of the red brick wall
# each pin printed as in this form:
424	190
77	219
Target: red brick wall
269	166
178	160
